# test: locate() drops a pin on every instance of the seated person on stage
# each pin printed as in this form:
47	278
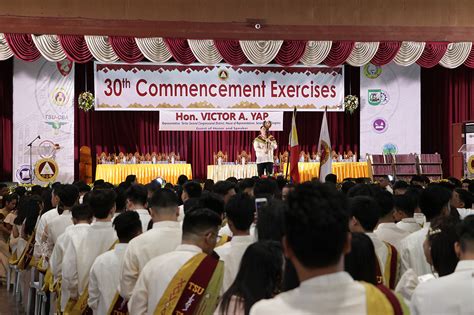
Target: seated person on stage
84	249
189	278
81	218
240	211
136	200
316	239
364	217
105	272
163	238
451	294
434	204
387	230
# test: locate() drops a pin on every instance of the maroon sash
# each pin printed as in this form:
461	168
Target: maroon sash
392	298
393	266
119	307
196	286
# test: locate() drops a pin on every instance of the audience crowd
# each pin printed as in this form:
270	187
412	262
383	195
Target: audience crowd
250	246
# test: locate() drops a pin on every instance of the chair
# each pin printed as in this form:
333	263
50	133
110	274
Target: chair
283	160
304	157
220	157
85	164
173	157
243	158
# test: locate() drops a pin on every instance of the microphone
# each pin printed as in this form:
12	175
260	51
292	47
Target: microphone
39	137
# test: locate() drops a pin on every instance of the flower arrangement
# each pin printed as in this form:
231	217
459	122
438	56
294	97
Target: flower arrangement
351	103
86	101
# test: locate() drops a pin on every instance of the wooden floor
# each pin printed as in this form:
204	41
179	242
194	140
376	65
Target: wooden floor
8	305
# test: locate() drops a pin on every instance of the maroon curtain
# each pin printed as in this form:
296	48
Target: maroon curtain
6	119
340	51
447	97
22	46
113	132
126	48
231	51
386	52
75	48
180	50
290	52
432	54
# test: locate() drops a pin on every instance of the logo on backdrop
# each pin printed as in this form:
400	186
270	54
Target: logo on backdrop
380	125
325	152
46	170
390	148
372	71
59	97
24	174
470	165
64	67
378	97
223	74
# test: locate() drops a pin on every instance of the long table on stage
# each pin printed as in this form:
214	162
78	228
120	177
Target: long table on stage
307	170
116	173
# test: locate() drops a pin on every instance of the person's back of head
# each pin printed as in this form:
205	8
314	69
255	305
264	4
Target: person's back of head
164	205
417	180
470	188
68	195
36	190
191	189
405	206
102	203
240	211
434	201
364	214
120	199
361	190
271	220
465	246
346	186
81	214
331	178
127	225
259	277
400	187
233	180
98	184
82	187
439	246
136	196
360	263
316	227
131	179
247	185
385	202
208	185
20	191
213	202
200	228
456	182
223	187
182	179
465	198
265	188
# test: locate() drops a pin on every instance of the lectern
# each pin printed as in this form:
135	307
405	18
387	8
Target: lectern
467	151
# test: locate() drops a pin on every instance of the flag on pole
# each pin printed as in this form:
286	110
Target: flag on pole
324	149
294	151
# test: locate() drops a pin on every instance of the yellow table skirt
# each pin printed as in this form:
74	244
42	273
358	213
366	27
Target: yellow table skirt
343	170
307	170
116	173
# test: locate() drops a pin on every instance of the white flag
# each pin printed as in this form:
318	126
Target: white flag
324	149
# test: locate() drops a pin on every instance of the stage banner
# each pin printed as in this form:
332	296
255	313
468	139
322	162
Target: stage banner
231	120
147	86
43	105
390	112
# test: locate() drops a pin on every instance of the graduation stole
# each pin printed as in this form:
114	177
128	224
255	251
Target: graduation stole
80	307
27	256
390	273
224	239
118	306
380	300
194	289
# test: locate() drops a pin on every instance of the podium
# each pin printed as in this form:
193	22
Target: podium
467	151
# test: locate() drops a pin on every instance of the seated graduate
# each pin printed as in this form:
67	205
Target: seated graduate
187	279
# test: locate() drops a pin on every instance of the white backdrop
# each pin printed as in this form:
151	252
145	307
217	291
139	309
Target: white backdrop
390	113
43	104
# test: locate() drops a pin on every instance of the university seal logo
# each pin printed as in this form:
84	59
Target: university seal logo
325	152
372	71
46	170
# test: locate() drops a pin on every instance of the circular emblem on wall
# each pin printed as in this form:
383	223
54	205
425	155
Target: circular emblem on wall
380	125
390	148
385	97
46	170
372	71
24	174
470	164
378	97
223	74
59	97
